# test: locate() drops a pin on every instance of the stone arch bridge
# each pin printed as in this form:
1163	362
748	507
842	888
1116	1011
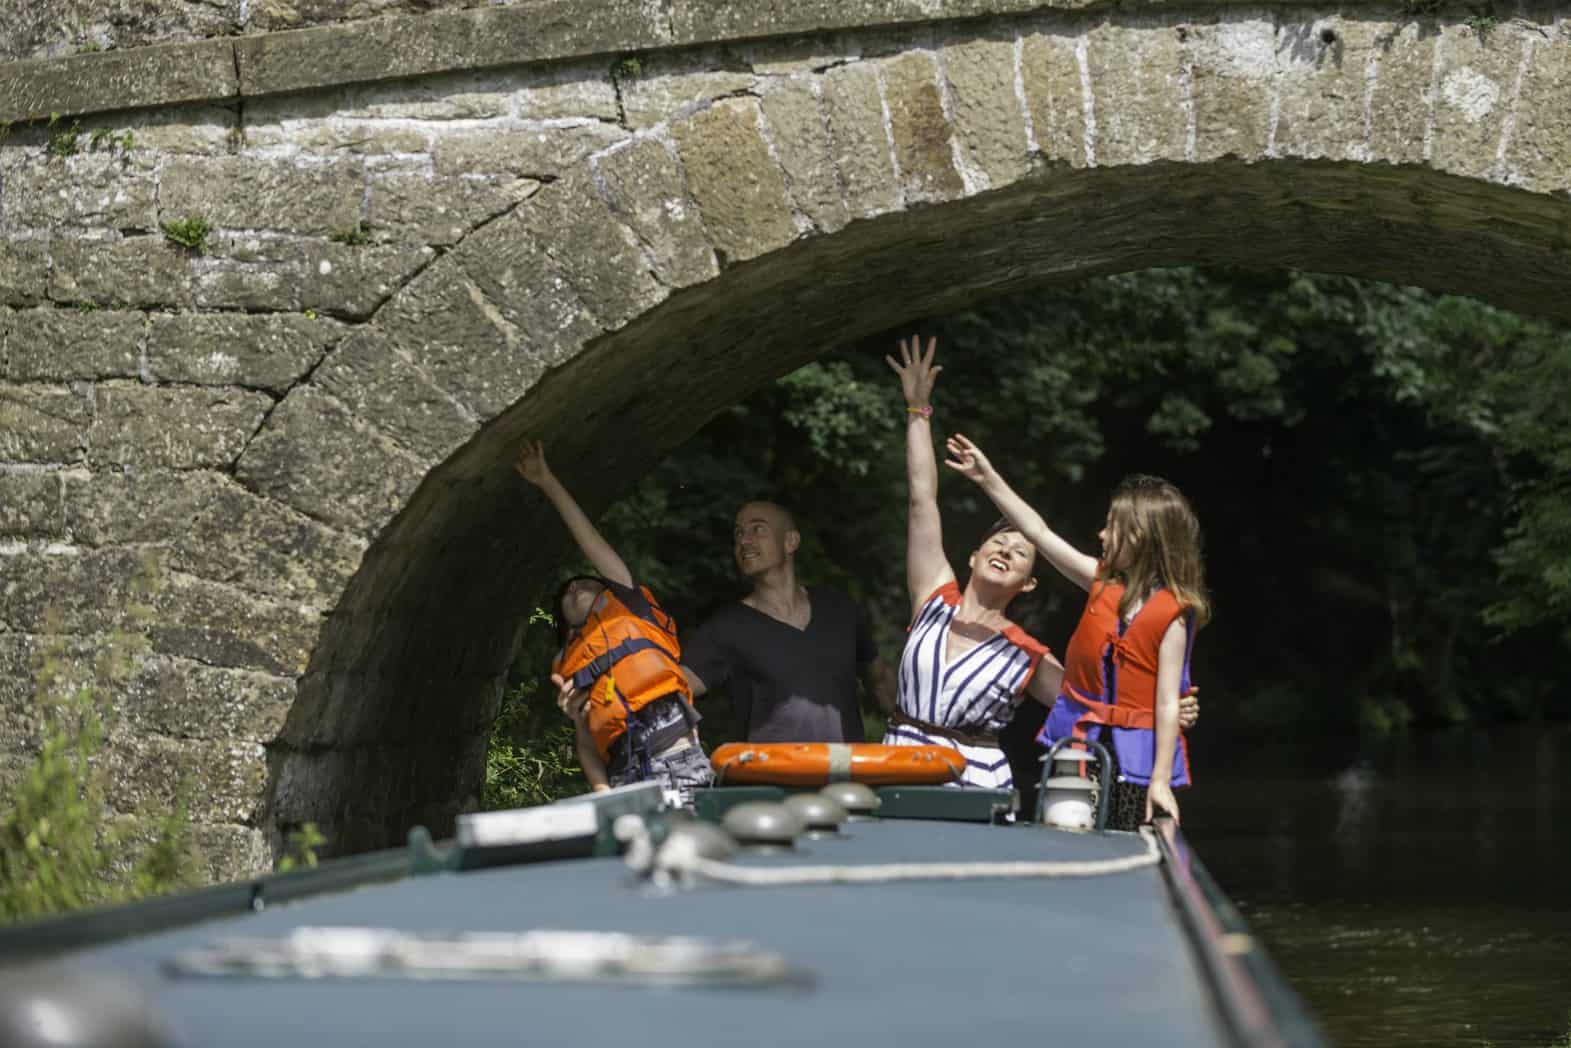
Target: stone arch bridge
599	222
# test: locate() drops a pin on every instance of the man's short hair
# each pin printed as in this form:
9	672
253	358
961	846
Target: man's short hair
781	512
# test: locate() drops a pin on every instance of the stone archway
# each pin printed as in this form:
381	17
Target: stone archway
604	259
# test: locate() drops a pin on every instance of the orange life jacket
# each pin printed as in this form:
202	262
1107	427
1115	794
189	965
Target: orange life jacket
626	659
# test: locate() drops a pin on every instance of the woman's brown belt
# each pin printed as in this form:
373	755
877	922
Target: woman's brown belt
898	716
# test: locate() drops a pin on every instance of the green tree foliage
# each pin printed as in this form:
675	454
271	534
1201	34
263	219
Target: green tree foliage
531	759
61	848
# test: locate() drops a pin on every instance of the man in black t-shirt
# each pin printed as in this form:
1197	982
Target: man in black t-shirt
790	655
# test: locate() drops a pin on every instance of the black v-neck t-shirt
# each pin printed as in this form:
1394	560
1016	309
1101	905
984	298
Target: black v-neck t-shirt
787	685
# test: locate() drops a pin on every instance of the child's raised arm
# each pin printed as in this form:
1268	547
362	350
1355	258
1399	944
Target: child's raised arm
531	465
967	459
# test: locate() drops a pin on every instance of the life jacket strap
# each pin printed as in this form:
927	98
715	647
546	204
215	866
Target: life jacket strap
601	664
1109	714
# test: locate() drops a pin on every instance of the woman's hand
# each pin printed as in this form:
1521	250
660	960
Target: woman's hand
1159	797
916	370
1188	709
531	464
966	459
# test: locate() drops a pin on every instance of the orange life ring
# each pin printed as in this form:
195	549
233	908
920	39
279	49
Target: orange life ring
817	763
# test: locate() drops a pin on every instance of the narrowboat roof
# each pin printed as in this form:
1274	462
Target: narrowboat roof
1151	954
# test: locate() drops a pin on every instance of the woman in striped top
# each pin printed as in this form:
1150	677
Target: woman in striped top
966	666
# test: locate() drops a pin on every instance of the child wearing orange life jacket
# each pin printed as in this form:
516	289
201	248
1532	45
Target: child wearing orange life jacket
617	671
1127	663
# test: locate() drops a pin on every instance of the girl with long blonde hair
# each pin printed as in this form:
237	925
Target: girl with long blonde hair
1127	663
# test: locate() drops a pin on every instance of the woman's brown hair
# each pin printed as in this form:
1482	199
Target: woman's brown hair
1153	541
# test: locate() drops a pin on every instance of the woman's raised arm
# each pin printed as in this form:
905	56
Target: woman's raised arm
967	459
926	566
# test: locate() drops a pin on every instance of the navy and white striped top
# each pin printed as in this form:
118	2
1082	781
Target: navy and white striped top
975	693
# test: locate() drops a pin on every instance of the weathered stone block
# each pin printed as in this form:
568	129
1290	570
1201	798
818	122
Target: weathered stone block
1136	75
1234	66
65	344
792	55
249	193
103	190
469	95
412	46
1399	102
739	188
63	590
285	274
548	92
178	697
199	130
263	546
376	382
596	253
520	292
128	79
1055	94
179	428
224	780
31	506
668	84
223	625
327	138
1476	95
648	188
237	349
546	150
572	89
863	153
136	271
232	852
248	287
141	507
44	423
1538	157
213	529
1323	85
439	209
24	271
988	115
484	354
924	147
317	457
796	125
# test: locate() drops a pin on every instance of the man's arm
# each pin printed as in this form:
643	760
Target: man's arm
705	662
531	465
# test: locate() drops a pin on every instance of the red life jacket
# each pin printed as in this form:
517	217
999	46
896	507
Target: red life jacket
626	659
1110	672
1099	649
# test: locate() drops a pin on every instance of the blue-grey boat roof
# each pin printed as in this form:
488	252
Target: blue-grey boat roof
1104	960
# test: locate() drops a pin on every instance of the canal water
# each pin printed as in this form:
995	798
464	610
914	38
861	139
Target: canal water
1416	894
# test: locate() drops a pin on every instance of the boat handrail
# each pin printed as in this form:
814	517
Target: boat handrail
1257	1005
